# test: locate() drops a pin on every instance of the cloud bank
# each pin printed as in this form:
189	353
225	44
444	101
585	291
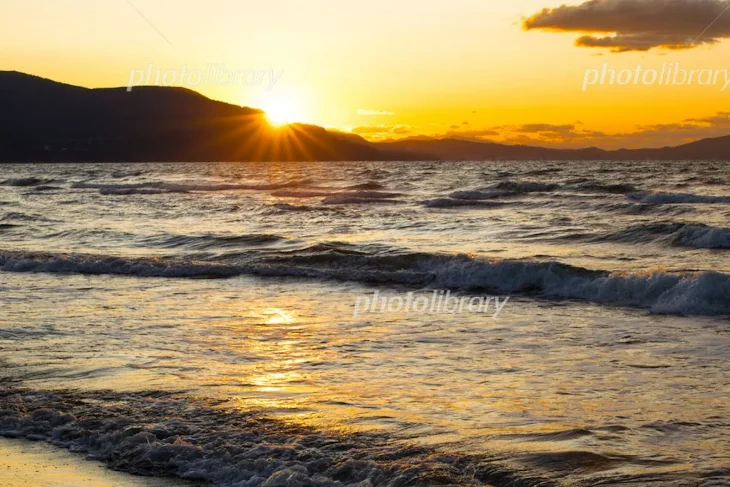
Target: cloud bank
569	136
638	25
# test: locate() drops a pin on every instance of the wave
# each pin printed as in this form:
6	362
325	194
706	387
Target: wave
24	182
18	216
631	208
676	198
371	185
207	242
507	189
122	175
161	187
704	293
543	172
371	195
166	434
101	265
355	200
676	234
462	203
592	186
683	294
480	195
303	194
340	197
45	187
138	191
360	197
284	208
526	187
88	234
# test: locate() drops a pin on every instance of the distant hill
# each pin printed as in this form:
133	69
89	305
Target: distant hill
42	120
45	121
458	149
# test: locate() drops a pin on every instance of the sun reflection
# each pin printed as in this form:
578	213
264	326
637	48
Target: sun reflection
278	316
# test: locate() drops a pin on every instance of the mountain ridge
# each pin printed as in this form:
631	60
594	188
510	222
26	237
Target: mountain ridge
715	148
47	121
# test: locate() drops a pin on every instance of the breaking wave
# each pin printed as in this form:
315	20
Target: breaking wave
164	434
676	234
706	293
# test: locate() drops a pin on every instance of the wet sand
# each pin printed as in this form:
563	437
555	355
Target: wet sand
29	464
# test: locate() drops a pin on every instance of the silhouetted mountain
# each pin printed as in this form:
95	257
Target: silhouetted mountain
42	120
717	148
459	149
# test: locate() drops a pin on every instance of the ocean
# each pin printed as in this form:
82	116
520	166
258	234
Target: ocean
201	321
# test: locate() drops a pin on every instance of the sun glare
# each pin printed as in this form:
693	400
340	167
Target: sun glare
281	110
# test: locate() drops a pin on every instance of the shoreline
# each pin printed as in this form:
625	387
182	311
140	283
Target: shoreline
26	463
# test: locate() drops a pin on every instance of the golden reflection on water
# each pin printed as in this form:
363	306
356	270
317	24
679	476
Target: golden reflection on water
276	316
294	351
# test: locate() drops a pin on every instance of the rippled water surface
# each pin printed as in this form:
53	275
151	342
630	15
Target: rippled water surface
197	321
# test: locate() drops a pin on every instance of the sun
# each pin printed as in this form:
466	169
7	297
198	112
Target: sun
281	110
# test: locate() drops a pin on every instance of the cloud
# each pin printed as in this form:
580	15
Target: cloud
719	119
545	128
380	132
644	136
576	135
638	25
457	131
566	136
374	113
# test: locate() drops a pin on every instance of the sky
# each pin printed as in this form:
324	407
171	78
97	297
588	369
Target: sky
518	71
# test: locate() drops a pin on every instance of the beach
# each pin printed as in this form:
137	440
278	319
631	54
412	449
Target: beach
32	464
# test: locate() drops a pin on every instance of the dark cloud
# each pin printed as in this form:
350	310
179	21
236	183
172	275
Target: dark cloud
639	25
720	119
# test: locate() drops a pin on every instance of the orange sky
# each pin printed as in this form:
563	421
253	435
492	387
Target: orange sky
382	69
